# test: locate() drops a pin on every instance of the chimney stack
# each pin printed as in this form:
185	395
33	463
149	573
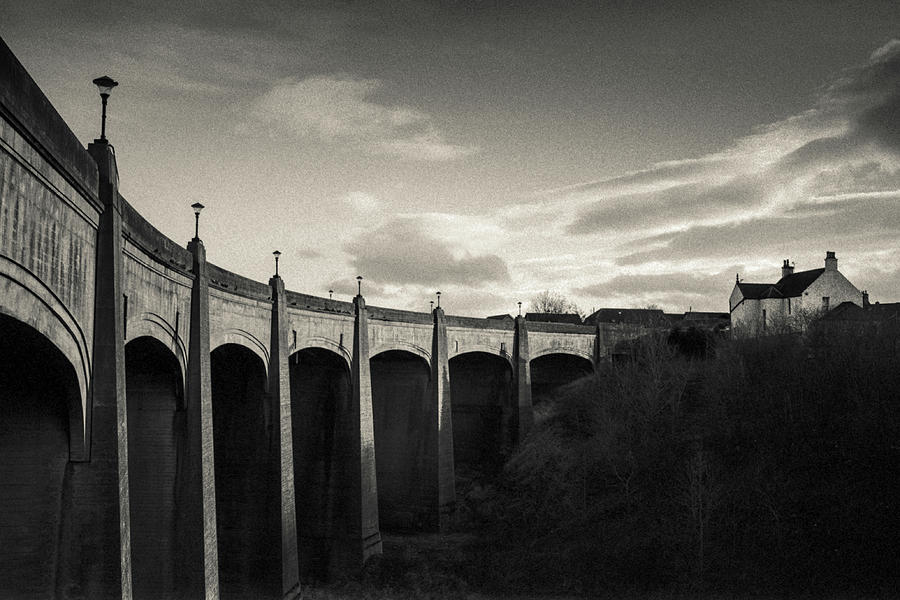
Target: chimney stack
865	299
786	269
830	261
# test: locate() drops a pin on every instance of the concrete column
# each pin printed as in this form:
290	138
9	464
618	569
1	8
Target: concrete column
359	490
522	361
600	353
440	485
95	536
197	552
282	442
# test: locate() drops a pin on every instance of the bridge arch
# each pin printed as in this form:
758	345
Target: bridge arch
483	349
552	370
154	389
588	356
28	300
481	394
38	385
324	344
400	396
400	346
320	393
244	473
241	337
148	324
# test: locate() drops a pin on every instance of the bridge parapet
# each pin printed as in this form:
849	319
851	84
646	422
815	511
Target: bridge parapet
239	285
476	323
25	107
544	327
138	231
400	316
318	304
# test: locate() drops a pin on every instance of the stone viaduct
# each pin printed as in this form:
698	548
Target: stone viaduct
171	429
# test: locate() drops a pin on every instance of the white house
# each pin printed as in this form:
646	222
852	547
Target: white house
760	308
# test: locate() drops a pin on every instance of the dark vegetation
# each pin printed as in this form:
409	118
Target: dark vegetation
698	467
763	466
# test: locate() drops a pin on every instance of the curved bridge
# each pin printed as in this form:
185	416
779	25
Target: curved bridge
199	434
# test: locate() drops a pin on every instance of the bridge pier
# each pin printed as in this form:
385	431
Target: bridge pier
357	535
95	536
522	405
439	482
282	438
601	352
197	543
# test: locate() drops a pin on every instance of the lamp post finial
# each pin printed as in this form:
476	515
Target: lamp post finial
197	208
104	85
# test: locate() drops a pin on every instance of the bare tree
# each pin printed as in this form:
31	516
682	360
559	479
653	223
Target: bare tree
552	302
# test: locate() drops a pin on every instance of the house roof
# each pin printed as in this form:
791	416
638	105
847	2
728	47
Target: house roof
791	286
794	284
756	291
572	318
626	315
506	317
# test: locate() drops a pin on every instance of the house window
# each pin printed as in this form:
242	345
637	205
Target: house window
825	300
764	318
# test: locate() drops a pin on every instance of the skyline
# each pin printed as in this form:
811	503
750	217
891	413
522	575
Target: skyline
622	161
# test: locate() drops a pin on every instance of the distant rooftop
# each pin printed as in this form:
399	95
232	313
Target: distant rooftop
571	318
705	316
848	311
626	315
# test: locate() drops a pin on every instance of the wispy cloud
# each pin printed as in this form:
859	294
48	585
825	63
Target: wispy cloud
403	252
362	202
341	109
852	130
425	146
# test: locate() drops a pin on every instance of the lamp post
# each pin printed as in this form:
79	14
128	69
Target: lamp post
359	284
276	254
520	309
197	208
439	299
330	292
431	304
105	84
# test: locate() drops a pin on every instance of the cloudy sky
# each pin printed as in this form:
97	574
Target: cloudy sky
623	155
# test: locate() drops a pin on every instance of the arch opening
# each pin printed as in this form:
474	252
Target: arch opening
37	387
156	420
552	371
400	381
483	416
246	522
320	393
